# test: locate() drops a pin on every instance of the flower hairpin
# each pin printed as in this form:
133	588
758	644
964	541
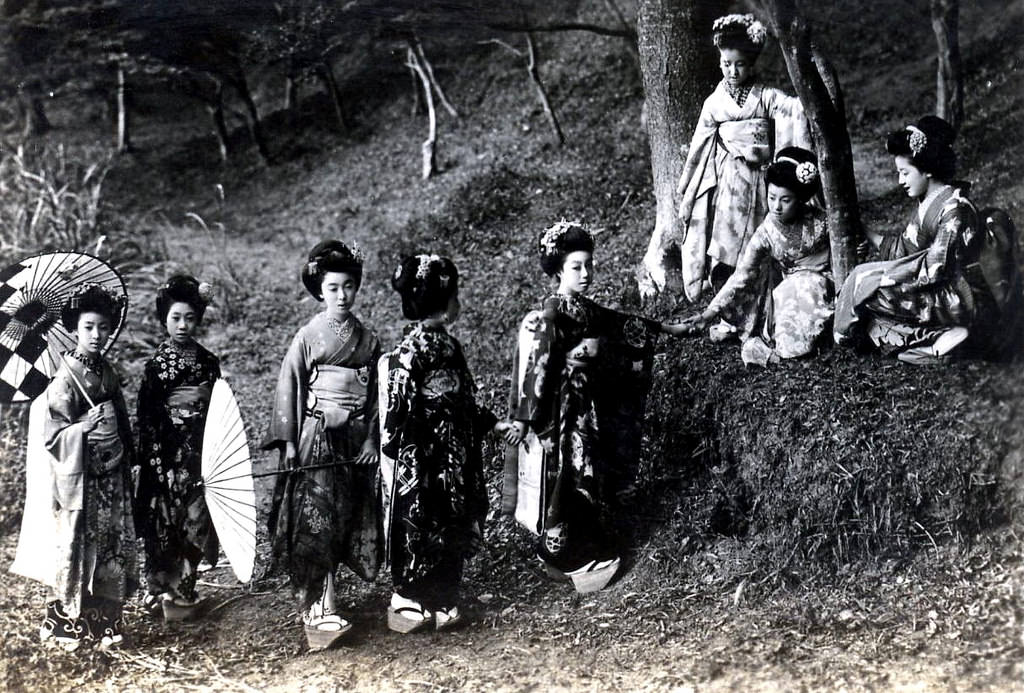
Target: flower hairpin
917	140
754	29
549	241
806	172
205	290
424	267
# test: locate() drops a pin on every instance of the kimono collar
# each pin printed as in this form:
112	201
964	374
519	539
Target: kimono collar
93	364
931	204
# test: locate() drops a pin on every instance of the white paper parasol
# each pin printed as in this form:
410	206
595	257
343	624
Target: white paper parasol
227	480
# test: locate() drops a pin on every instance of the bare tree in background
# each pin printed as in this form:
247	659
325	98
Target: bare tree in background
949	93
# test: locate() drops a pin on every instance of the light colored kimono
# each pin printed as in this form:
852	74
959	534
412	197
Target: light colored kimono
781	294
722	190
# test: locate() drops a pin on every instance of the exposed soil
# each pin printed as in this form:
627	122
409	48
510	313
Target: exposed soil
711	600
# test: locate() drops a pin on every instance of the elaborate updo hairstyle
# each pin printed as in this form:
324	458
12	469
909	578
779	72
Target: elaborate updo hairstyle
181	288
796	170
331	256
928	145
93	298
739	32
426	283
561	239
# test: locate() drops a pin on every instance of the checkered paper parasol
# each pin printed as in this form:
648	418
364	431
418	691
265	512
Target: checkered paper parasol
32	339
227	480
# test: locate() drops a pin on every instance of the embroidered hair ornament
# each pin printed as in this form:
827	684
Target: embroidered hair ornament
356	253
75	301
754	29
917	140
549	241
423	269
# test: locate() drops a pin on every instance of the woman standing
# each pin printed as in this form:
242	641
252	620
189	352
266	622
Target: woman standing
172	515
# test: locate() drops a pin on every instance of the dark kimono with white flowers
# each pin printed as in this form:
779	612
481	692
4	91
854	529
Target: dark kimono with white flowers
580	380
434	495
326	405
171	511
928	280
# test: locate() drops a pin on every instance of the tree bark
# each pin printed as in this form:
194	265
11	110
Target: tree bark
331	87
123	137
818	88
541	91
949	93
216	110
36	122
679	70
428	146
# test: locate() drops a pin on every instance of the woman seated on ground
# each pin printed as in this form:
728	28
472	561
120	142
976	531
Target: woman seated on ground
926	294
781	292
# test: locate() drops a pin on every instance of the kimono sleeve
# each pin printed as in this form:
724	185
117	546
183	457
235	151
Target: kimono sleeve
290	398
533	378
748	271
373	398
65	440
150	414
957	228
397	400
791	126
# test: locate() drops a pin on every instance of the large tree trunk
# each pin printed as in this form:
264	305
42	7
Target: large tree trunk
679	68
818	88
123	137
949	76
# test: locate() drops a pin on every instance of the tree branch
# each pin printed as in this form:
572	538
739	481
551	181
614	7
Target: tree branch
564	26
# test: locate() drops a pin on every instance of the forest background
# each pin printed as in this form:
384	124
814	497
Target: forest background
843	521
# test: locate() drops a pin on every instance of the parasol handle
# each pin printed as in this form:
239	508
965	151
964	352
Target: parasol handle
326	465
81	388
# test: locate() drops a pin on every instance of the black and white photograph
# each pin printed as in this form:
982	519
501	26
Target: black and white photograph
463	345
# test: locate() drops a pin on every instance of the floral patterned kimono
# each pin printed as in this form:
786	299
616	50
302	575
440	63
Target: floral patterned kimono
722	189
580	380
789	265
170	509
432	471
90	494
927	281
326	405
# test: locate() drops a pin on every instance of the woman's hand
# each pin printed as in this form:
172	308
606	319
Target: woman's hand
693	325
93	418
289	455
368	453
513	431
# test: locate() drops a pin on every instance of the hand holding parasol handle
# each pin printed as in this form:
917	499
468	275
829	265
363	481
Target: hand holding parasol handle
305	468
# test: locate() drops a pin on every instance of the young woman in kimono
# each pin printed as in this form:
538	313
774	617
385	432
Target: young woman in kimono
787	258
431	425
926	294
721	190
86	433
579	383
171	511
326	507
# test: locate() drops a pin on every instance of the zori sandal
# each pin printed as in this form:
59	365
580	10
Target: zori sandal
324	631
179	608
594	575
407	616
446	619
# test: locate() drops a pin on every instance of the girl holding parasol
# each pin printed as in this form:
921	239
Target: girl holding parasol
326	506
86	431
173	519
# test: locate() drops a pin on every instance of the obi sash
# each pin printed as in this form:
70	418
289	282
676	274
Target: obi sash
105	446
189	400
339	393
750	140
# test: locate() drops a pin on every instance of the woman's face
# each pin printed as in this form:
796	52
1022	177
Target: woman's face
783	204
181	322
913	179
577	273
339	291
737	66
93	332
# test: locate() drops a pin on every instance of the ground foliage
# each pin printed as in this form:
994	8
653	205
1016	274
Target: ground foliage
843	521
